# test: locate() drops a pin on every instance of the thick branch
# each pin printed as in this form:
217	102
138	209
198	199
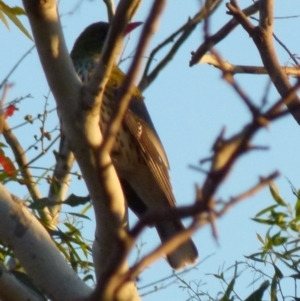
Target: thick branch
37	252
11	289
84	134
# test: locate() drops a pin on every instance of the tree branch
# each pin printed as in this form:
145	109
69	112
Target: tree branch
11	289
61	178
184	31
22	162
263	39
37	252
244	69
213	40
84	135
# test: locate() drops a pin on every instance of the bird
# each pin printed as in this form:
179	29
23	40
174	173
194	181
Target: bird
138	154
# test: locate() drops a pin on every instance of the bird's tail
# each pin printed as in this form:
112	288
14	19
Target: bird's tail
183	255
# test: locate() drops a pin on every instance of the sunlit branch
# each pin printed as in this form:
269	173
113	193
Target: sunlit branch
243	69
110	6
263	39
22	162
213	40
125	90
61	177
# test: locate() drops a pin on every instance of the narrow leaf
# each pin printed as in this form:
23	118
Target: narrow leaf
258	294
9	12
3	19
275	194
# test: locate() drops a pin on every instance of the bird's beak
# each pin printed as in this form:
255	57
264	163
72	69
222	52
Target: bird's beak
131	26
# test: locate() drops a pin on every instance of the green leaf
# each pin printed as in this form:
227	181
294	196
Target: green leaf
278	216
16	10
297	208
88	277
78	215
270	208
278	273
86	208
273	292
75	200
11	13
264	221
3	19
295	276
278	240
260	238
73	229
226	296
219	276
275	194
258	294
39	204
294	226
254	257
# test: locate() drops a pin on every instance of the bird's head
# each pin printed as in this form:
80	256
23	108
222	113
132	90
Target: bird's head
91	41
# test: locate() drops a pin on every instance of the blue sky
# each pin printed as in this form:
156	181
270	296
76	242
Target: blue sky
189	107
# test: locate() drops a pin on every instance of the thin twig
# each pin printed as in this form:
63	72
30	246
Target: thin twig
16	66
110	6
220	35
250	192
22	162
244	69
184	31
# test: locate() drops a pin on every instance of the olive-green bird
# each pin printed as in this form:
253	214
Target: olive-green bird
138	155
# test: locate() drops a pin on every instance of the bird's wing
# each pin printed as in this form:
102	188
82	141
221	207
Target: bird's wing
140	125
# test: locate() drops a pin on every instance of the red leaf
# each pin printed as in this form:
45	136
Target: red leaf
7	164
10	110
131	26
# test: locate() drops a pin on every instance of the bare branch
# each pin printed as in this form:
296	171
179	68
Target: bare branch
220	35
262	37
60	178
243	69
184	31
110	6
263	182
22	162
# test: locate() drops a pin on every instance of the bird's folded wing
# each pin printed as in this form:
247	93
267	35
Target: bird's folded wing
152	150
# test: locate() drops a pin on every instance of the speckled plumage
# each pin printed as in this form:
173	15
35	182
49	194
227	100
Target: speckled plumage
138	155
